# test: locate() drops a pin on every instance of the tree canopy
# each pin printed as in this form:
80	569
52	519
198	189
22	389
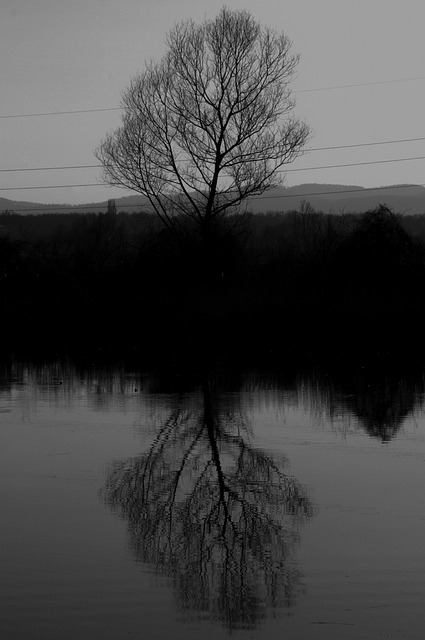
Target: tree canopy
209	124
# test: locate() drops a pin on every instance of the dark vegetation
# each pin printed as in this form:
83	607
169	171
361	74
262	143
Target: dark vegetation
296	284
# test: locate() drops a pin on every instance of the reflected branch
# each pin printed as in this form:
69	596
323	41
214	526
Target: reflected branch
217	515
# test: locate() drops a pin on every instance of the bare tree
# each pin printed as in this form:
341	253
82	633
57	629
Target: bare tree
208	125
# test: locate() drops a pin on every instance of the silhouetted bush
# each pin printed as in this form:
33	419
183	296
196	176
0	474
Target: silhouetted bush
379	255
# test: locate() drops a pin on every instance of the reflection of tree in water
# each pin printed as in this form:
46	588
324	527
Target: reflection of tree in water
381	399
382	409
219	516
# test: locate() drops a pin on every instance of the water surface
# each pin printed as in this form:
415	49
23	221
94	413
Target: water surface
140	505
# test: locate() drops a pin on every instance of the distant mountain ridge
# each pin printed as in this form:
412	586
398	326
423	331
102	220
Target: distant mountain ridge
336	198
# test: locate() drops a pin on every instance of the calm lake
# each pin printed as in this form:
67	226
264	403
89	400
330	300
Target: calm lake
163	506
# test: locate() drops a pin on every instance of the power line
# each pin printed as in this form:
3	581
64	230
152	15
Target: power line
326	193
364	144
311	90
52	186
75	166
342	146
58	113
72	208
352	164
359	84
330	166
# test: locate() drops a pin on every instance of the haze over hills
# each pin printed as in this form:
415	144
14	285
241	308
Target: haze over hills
334	198
404	199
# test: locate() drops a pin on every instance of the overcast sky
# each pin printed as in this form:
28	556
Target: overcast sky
58	55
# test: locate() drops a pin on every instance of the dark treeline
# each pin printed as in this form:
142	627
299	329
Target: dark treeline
301	281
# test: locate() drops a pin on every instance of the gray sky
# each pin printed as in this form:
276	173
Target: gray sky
58	55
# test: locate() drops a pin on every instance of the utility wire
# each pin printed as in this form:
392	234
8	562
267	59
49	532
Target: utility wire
329	166
364	144
342	191
73	208
342	146
76	166
331	88
352	164
52	186
359	84
58	113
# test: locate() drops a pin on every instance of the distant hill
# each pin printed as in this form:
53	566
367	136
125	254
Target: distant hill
405	199
129	203
23	207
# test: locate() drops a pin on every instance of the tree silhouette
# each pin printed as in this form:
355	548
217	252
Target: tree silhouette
208	125
379	255
214	513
